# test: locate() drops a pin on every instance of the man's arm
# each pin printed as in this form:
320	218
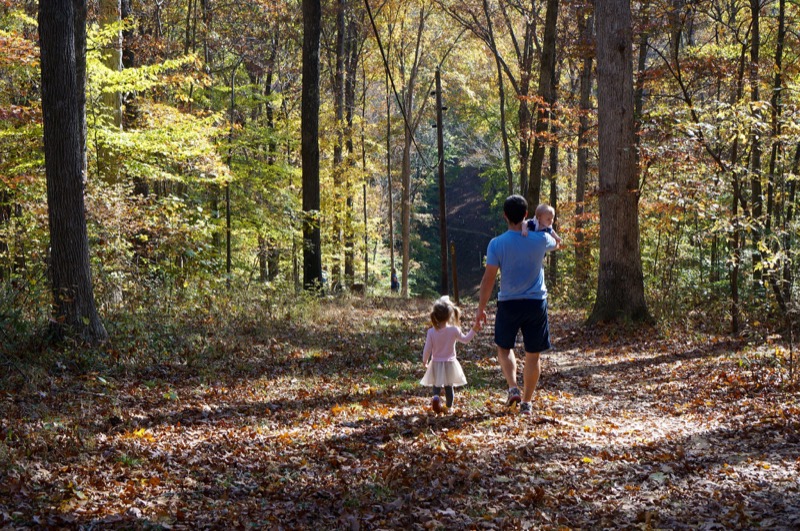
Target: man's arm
487	285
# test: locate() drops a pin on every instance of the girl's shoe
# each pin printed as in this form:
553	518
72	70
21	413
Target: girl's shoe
525	408
436	404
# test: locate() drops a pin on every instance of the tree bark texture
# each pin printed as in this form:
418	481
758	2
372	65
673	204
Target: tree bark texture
620	286
79	35
63	121
586	27
312	250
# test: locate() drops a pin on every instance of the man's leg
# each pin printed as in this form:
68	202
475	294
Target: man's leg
508	363
530	374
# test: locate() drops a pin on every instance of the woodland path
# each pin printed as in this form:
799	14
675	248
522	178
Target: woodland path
287	424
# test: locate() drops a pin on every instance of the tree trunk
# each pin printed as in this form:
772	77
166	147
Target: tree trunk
111	13
443	277
353	45
339	175
776	274
110	104
586	25
641	66
788	266
552	281
736	236
524	114
409	85
405	178
79	34
547	95
312	250
389	197
756	199
620	286
501	94
63	120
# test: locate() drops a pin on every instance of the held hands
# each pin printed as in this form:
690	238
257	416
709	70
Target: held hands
480	320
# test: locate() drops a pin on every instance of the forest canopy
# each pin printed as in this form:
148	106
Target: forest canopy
193	136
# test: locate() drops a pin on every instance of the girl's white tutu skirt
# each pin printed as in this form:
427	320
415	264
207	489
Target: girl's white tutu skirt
442	373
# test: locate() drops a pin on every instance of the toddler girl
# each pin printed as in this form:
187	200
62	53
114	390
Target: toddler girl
439	354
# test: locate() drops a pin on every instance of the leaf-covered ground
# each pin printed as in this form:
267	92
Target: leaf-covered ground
319	423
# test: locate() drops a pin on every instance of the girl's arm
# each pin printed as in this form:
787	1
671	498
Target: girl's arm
466	338
427	350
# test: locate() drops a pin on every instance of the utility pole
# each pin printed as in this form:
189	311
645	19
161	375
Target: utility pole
442	205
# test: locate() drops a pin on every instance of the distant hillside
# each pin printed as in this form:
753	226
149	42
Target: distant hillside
470	225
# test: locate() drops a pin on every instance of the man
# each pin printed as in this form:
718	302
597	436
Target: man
521	301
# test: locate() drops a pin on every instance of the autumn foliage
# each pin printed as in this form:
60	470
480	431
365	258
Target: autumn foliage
313	418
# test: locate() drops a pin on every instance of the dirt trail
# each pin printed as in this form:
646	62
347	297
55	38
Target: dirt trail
321	424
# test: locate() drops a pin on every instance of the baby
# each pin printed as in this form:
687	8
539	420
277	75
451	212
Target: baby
542	221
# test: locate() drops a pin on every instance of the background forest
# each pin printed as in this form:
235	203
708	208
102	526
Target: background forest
170	209
193	174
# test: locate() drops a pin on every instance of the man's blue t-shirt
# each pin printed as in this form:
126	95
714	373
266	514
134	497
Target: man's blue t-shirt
520	261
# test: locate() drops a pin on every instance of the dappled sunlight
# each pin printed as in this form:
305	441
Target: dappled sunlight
295	426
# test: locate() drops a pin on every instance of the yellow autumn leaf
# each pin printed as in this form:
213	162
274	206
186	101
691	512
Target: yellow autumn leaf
587	460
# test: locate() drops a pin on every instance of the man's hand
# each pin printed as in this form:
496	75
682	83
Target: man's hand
480	320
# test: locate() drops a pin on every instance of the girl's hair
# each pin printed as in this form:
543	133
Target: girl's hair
445	311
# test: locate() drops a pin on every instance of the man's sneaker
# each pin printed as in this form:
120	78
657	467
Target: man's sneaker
524	408
436	404
514	396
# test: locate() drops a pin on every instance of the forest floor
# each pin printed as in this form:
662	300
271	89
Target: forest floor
288	423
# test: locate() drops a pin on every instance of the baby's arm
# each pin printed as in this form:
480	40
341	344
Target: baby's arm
528	225
556	237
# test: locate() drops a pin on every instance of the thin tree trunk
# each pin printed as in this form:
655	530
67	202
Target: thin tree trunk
547	94
389	173
502	95
405	175
777	108
755	142
788	271
586	25
110	105
644	40
187	40
405	179
351	71
553	257
111	13
79	34
269	253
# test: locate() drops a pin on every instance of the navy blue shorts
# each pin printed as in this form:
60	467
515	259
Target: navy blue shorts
528	315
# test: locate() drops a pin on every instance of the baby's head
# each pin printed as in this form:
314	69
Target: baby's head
545	214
